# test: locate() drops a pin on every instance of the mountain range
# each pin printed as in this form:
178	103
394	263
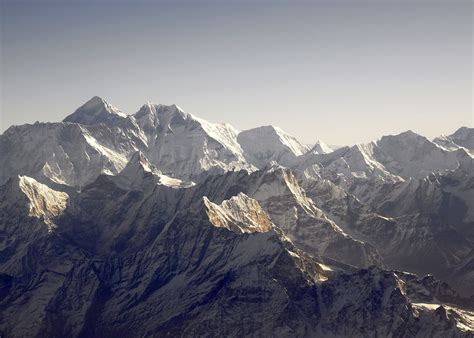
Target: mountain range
160	223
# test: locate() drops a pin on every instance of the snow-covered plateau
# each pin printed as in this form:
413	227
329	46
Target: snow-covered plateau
160	223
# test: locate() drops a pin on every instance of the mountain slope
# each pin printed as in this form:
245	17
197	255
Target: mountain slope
463	138
65	153
320	148
280	195
182	272
161	223
96	111
420	225
97	139
268	144
185	146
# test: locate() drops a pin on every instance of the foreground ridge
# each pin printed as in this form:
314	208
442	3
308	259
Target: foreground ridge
161	223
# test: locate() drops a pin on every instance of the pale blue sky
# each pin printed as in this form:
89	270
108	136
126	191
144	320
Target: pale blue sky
339	71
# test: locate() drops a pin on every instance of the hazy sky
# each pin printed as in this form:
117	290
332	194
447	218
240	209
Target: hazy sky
339	71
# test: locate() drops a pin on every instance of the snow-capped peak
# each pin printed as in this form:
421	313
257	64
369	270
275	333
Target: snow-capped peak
138	162
147	108
321	148
463	132
95	111
151	116
161	110
445	142
183	145
408	136
277	134
140	174
464	136
268	143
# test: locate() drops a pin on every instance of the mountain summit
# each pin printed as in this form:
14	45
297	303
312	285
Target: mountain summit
265	144
96	111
